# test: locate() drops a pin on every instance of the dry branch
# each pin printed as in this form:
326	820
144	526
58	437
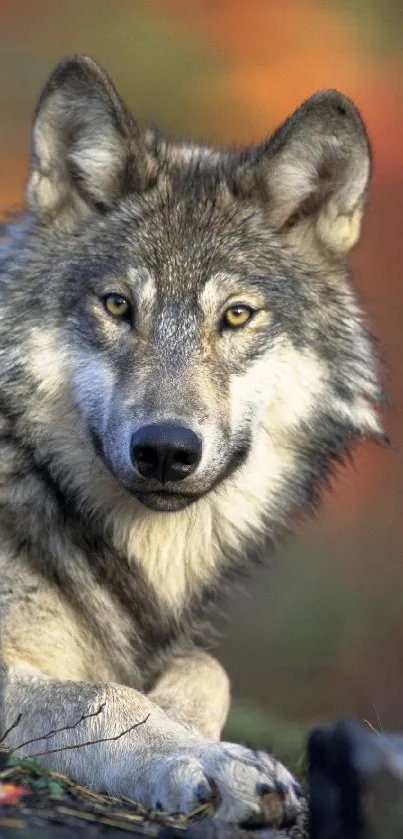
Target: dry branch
89	742
10	728
57	730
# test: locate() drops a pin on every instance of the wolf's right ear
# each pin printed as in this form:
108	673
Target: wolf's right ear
315	172
85	145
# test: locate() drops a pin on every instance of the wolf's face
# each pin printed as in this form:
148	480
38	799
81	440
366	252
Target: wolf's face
179	345
171	374
202	296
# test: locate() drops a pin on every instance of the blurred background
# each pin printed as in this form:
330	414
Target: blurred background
318	634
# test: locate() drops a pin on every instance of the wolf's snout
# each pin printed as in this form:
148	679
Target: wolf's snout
166	452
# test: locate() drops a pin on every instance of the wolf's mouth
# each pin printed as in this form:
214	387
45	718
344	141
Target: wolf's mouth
166	502
155	495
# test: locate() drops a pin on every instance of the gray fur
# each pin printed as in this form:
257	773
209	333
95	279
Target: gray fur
107	578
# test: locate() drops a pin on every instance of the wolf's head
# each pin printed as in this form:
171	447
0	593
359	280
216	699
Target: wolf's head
188	308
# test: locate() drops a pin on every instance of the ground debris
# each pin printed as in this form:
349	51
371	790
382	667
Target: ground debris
32	797
44	805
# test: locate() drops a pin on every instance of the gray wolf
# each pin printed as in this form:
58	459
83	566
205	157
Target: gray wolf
183	360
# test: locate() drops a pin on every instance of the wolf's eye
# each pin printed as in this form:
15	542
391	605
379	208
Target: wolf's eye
117	305
236	316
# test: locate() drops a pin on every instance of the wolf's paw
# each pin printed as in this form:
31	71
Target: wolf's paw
245	787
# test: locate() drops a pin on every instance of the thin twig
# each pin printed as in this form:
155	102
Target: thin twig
377	717
58	730
90	742
370	726
10	728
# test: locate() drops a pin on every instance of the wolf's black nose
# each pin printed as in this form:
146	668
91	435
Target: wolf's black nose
165	451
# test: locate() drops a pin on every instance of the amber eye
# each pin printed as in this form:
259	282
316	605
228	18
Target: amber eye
236	316
117	306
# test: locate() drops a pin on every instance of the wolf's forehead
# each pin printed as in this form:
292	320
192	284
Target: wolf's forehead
195	250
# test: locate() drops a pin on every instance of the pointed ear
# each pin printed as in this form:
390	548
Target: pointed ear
85	145
316	169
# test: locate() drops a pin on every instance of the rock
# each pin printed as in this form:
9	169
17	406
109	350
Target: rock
355	779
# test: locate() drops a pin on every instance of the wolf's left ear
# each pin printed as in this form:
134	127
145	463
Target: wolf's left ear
85	144
316	169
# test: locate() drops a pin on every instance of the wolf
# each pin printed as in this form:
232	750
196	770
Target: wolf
183	362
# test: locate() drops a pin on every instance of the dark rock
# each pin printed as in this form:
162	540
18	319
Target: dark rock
355	781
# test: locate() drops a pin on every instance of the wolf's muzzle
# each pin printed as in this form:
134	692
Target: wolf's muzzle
165	452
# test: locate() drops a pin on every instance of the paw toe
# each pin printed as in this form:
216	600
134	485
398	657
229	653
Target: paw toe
182	786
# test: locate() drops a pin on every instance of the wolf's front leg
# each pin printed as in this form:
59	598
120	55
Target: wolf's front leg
194	690
160	763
